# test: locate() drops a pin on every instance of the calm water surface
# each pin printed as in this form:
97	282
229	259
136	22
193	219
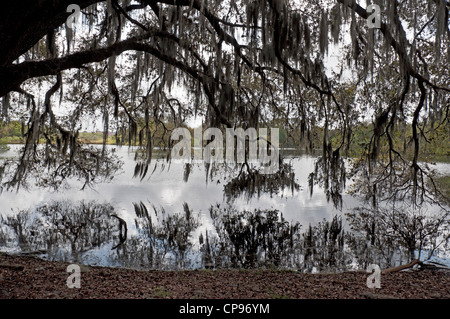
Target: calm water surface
166	188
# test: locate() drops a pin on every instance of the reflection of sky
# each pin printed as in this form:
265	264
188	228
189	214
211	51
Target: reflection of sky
166	188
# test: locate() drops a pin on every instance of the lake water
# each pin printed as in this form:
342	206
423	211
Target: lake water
166	189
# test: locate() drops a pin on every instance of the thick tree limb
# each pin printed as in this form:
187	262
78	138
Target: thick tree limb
401	267
12	76
25	22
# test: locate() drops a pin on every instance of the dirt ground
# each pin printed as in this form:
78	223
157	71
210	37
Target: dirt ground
33	278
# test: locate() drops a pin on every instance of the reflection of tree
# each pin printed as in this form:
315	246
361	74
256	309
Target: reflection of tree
402	215
246	179
50	169
389	235
250	182
69	231
161	235
62	229
263	238
251	239
323	245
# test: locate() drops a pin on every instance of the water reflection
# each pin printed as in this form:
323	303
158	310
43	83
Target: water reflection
174	220
169	185
86	232
59	230
250	183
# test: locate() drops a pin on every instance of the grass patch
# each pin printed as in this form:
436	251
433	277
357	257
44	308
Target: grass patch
273	295
161	292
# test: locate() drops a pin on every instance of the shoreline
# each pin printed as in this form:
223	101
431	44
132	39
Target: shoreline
27	277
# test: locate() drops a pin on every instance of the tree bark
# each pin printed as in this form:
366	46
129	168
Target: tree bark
401	267
25	22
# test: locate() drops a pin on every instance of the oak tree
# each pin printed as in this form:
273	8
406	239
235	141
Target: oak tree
238	63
